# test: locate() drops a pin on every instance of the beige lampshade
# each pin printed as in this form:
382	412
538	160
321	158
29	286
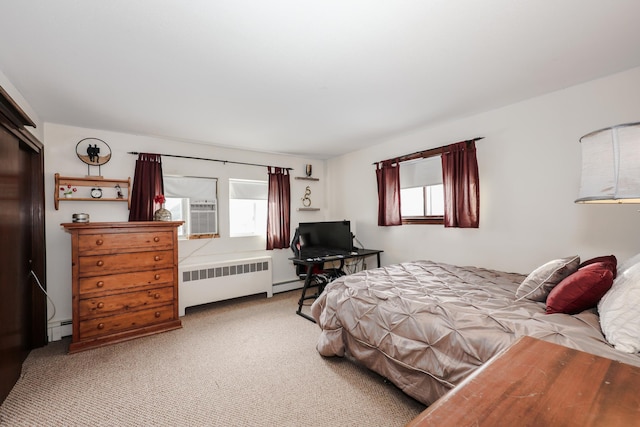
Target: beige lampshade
611	165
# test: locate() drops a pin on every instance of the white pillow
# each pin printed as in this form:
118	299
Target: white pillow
619	310
628	263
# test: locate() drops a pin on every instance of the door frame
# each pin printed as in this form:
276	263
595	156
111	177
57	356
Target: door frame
28	184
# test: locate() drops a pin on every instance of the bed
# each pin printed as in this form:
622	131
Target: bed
425	326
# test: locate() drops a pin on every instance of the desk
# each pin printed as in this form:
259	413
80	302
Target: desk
309	263
538	383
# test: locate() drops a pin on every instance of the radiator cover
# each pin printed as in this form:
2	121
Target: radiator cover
220	280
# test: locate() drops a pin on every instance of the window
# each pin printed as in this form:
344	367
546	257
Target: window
193	200
422	192
247	208
422	201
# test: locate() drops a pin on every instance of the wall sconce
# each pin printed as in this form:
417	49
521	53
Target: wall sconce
611	165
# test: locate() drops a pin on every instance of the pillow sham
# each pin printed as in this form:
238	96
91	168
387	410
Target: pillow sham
610	260
537	285
628	263
581	290
618	308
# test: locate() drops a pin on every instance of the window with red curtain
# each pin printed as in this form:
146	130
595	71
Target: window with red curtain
460	180
461	185
388	178
147	183
278	209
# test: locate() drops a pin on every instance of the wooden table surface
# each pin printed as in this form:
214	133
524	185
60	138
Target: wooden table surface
537	383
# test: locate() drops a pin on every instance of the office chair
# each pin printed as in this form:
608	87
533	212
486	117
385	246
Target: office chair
320	276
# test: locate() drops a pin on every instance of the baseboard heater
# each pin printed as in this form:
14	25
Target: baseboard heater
221	280
58	329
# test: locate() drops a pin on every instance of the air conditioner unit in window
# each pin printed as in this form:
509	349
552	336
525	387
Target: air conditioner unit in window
203	218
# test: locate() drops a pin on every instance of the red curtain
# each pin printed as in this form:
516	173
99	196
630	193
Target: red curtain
388	177
461	185
278	209
147	183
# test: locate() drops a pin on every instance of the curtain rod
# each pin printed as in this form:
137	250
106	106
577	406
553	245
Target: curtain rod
210	160
426	153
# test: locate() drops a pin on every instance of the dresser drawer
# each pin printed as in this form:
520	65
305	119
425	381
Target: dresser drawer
107	325
91	286
104	264
89	244
120	303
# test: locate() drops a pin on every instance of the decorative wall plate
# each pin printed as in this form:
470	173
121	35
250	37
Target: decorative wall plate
93	151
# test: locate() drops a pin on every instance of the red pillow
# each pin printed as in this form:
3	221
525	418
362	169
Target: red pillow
610	260
581	290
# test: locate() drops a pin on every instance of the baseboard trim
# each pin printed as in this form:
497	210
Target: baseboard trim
287	286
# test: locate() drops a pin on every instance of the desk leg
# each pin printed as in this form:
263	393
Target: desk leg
307	282
378	256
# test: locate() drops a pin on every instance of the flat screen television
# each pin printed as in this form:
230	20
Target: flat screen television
325	238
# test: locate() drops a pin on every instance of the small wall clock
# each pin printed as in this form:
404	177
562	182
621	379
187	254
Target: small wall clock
96	193
93	152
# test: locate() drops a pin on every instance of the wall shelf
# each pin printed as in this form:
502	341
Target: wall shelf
91	181
307	178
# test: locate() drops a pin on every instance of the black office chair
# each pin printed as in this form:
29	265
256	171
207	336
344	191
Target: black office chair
320	276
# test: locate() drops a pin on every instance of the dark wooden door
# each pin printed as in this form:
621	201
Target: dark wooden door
22	303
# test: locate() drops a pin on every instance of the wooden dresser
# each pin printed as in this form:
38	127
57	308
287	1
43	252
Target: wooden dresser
538	383
125	281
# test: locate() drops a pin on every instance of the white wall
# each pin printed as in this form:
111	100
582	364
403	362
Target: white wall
529	167
60	156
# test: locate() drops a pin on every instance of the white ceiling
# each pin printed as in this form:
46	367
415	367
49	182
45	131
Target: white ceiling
316	78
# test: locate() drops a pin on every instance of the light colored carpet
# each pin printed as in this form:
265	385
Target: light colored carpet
246	362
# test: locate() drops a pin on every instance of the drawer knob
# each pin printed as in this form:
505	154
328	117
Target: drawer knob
99	242
100	284
100	325
157	257
156	239
100	263
156	296
157	277
157	314
100	305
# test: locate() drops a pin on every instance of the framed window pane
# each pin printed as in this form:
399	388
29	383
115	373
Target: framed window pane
422	192
177	207
435	200
412	201
193	200
247	208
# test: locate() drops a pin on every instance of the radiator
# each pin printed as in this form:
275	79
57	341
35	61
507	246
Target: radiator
221	280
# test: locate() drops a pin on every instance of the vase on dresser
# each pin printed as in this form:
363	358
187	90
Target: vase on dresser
162	214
